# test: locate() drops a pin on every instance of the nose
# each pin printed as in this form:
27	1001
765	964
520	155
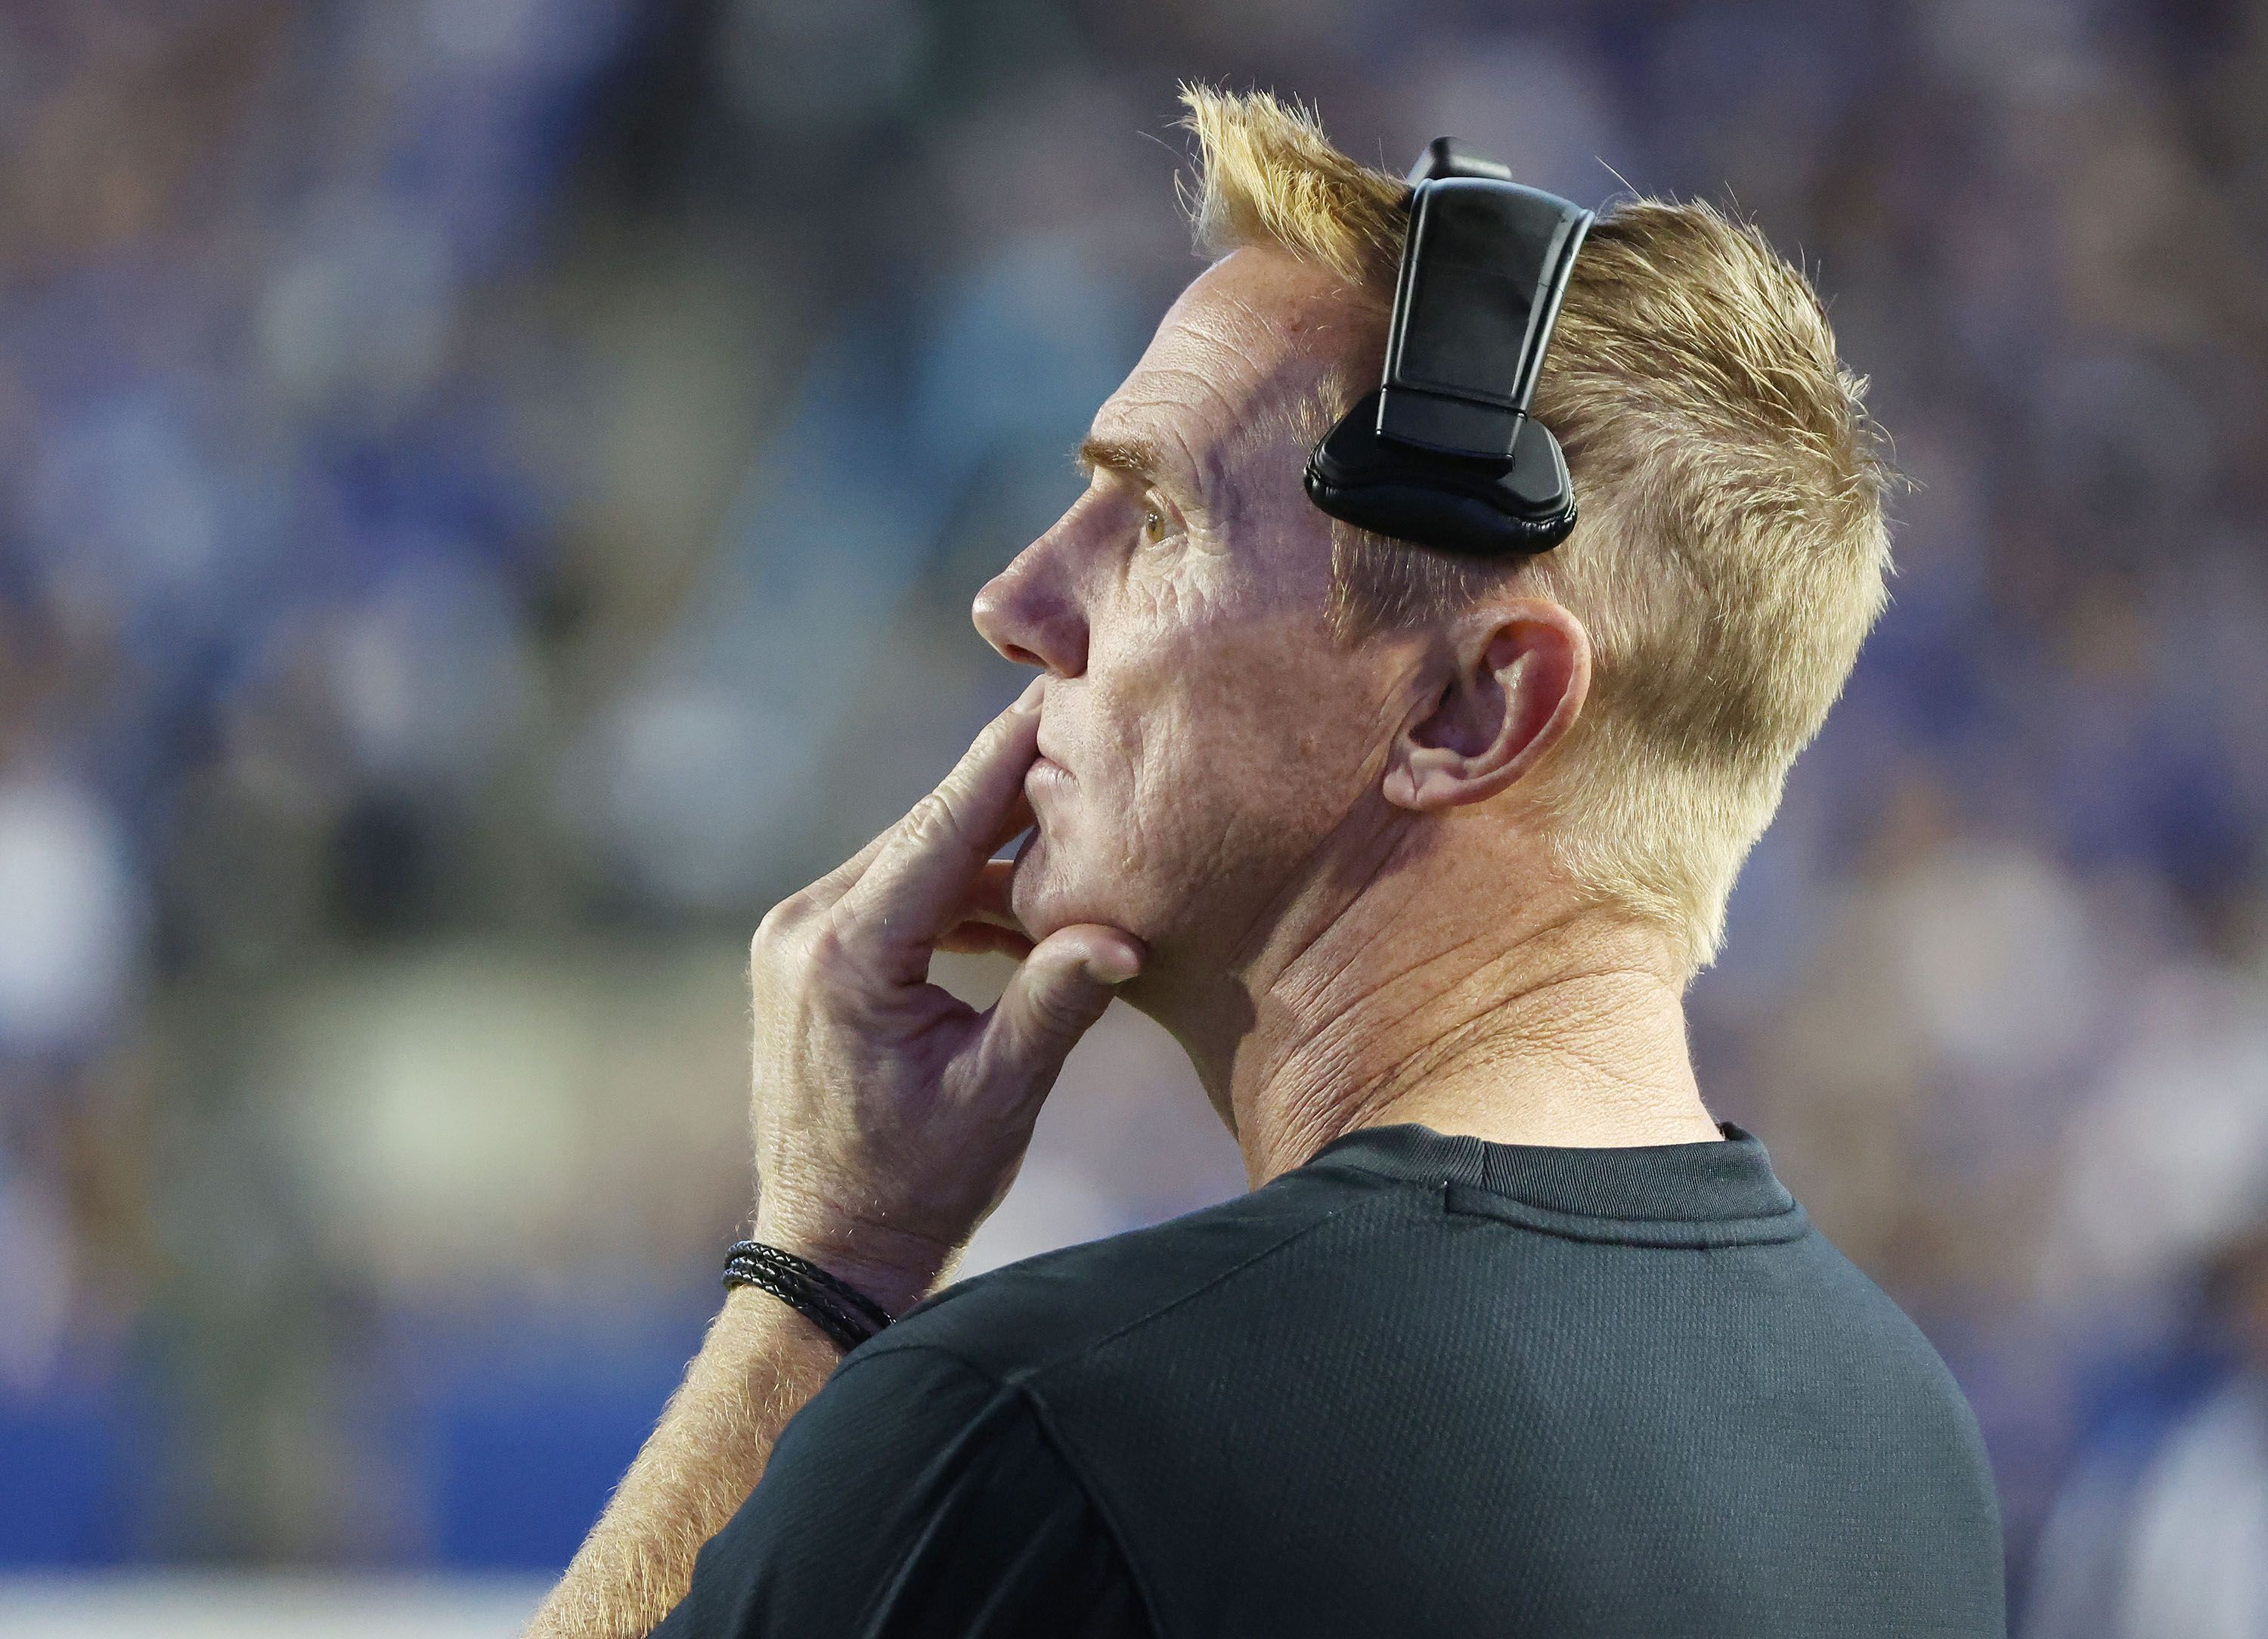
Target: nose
1029	613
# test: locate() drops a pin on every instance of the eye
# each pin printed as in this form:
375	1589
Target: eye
1157	523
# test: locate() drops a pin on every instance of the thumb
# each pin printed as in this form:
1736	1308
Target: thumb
1054	995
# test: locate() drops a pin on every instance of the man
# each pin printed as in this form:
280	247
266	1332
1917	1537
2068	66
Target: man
1415	855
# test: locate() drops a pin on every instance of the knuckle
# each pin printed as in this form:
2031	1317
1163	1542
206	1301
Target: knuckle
775	930
937	817
1057	1010
824	949
830	959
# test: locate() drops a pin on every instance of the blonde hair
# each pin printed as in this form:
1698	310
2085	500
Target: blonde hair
1732	550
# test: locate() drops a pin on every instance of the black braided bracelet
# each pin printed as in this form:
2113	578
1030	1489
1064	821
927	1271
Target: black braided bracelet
804	1299
835	1306
859	1304
828	1313
812	1302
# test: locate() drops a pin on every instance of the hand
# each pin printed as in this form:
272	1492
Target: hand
890	1117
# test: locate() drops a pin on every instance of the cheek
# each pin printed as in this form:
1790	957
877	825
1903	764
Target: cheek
1215	742
1240	739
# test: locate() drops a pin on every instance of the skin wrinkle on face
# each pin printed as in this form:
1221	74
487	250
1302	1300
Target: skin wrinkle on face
1223	466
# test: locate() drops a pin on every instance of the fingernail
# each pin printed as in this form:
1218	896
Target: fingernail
1029	700
1112	967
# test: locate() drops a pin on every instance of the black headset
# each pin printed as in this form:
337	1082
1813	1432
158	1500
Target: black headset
1443	454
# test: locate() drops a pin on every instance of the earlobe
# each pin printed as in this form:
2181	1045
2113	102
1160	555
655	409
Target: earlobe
1518	675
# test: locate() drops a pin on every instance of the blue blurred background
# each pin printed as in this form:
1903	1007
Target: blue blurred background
490	496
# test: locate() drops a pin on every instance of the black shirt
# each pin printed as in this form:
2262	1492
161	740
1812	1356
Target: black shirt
1424	1385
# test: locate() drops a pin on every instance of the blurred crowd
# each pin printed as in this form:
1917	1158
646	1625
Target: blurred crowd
490	496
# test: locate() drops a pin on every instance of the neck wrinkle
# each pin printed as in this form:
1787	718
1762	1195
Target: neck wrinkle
1568	1032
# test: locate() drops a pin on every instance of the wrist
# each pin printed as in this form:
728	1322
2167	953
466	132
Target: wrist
894	1268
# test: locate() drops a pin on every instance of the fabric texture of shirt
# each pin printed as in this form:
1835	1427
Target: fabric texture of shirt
1424	1385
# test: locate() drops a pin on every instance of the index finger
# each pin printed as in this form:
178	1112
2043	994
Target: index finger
912	892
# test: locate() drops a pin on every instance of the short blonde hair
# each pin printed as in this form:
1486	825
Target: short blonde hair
1732	551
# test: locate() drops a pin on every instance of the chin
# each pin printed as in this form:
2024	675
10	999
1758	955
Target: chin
1034	893
1049	892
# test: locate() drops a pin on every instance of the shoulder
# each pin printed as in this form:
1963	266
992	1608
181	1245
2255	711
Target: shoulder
1871	1322
932	1459
912	1496
1889	1380
1012	1322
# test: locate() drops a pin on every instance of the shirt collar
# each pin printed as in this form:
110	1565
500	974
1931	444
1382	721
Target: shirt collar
1697	1182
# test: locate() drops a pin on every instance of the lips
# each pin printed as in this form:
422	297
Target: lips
1045	774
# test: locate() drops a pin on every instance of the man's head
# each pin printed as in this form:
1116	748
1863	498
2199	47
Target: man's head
1252	706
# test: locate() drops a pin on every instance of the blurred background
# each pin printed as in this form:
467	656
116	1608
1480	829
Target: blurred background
490	492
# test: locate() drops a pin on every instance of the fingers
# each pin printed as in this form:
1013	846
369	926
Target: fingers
924	868
989	896
837	882
1052	999
986	920
981	938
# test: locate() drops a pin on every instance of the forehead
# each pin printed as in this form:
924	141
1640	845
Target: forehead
1250	337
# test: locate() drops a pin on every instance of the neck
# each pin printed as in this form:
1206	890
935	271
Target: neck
1425	1001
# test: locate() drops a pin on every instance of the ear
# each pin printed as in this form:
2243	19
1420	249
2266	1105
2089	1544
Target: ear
1511	683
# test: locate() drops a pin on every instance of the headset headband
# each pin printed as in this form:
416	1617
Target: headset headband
1443	454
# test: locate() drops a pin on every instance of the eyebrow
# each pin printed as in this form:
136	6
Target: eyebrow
1137	457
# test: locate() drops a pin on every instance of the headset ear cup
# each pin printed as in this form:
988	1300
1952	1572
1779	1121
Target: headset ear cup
1538	476
1479	509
